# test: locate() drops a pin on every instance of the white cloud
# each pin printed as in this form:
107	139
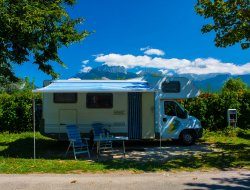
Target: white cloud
128	61
180	66
85	62
131	61
98	55
85	69
211	65
154	52
145	48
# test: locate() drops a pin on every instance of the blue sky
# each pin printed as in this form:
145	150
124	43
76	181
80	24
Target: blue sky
163	34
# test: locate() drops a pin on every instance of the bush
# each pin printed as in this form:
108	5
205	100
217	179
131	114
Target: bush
211	109
244	117
16	112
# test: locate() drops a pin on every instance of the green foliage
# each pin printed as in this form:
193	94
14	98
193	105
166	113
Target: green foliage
225	152
20	86
1	111
11	87
35	28
16	111
211	109
231	21
234	85
244	119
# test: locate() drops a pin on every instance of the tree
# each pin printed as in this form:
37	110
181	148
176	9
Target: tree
231	21
35	28
234	85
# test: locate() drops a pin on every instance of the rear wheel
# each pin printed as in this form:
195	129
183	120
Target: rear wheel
187	138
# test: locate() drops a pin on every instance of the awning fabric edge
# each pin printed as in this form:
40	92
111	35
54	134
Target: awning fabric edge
70	86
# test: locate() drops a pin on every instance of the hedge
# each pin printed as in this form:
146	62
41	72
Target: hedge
211	109
16	112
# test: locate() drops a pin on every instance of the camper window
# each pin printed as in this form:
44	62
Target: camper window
65	97
99	100
171	87
173	109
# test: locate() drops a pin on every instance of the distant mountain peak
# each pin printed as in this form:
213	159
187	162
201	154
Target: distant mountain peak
107	72
111	69
211	82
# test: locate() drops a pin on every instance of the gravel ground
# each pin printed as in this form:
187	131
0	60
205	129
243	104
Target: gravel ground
152	152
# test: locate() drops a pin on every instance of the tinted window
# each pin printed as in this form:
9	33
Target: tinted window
65	97
169	108
171	87
173	109
99	100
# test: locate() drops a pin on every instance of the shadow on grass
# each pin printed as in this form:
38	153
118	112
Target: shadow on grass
189	163
230	155
244	135
239	183
24	148
225	157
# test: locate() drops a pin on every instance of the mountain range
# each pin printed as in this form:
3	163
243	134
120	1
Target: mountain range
209	82
106	72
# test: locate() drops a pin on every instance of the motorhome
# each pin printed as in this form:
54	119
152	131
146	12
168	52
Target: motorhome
138	108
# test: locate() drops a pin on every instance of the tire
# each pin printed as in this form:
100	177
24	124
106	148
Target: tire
187	138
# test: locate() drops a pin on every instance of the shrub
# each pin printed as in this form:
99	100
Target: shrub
211	109
244	117
16	111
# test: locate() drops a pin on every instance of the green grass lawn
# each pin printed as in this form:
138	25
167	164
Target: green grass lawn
229	150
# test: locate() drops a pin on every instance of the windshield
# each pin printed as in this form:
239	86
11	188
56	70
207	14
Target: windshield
174	109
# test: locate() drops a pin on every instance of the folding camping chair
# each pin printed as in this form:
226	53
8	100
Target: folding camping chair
99	130
74	136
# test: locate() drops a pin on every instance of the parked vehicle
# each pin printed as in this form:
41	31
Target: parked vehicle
139	109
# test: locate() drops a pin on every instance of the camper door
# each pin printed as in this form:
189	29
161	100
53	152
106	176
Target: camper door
173	118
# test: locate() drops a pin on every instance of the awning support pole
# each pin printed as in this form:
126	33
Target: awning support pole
160	143
34	125
159	122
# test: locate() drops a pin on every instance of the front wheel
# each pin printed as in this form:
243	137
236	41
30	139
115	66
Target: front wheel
187	138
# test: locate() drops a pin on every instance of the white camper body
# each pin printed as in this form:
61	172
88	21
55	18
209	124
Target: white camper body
134	108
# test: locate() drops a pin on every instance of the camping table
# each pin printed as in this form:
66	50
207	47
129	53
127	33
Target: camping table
99	139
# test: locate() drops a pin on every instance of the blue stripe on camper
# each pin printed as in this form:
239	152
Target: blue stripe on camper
134	116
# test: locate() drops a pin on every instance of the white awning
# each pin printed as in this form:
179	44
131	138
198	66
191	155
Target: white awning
65	86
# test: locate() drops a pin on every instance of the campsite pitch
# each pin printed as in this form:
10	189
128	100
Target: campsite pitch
215	151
